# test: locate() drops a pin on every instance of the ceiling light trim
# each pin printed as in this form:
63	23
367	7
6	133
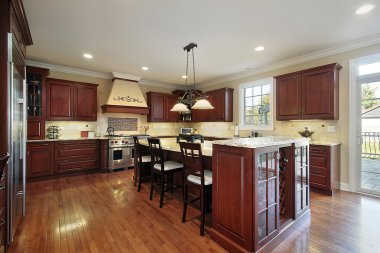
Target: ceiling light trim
345	47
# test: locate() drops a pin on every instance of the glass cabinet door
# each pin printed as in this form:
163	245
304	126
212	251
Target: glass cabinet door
302	179
267	192
34	88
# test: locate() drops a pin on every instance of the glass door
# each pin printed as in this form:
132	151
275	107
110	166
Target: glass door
368	87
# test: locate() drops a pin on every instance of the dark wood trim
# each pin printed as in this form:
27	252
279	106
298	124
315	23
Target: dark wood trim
4	28
124	109
70	82
18	7
124	79
42	71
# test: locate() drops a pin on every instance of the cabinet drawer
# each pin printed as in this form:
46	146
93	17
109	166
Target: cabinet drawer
74	144
317	149
79	151
320	161
319	170
40	144
320	181
71	166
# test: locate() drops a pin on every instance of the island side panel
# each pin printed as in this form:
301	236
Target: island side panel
232	204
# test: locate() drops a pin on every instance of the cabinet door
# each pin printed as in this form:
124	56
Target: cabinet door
36	129
318	94
40	159
85	102
288	97
170	101
59	100
156	103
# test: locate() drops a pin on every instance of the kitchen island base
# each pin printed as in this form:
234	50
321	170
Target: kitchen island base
260	191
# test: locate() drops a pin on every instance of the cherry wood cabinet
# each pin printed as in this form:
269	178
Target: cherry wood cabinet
308	94
249	206
36	101
68	100
76	156
222	100
55	158
159	107
40	159
325	168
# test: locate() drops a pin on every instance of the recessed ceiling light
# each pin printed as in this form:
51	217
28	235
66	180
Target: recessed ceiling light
259	48
144	68
364	9
184	76
87	56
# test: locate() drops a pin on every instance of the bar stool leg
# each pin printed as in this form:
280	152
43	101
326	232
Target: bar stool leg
162	185
151	185
185	196
202	232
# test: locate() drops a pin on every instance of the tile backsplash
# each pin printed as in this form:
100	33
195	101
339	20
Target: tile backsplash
123	124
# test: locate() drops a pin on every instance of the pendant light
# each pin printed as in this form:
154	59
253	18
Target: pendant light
192	98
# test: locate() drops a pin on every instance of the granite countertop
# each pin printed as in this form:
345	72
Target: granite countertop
69	139
325	143
259	142
171	144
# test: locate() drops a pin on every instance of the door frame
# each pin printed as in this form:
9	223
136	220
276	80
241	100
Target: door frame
355	119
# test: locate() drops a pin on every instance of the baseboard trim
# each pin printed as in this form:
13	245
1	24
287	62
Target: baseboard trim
345	187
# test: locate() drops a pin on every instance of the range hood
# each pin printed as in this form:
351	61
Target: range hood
125	96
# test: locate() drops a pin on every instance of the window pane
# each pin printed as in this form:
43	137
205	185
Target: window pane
266	89
257	100
257	90
248	120
256	110
248	92
248	111
265	100
249	101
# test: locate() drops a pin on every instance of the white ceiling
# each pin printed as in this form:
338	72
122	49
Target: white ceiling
124	35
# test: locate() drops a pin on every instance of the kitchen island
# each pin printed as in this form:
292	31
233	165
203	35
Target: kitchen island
260	190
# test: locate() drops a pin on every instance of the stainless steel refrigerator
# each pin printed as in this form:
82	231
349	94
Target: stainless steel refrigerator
16	142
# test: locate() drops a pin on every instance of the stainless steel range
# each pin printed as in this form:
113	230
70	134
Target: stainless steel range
120	152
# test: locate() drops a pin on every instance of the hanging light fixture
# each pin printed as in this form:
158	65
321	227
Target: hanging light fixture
192	98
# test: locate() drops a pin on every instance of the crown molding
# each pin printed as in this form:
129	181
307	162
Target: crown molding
69	70
345	47
162	85
125	76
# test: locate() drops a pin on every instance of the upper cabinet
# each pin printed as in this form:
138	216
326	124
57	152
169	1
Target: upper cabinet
161	103
308	94
68	100
222	100
36	101
159	107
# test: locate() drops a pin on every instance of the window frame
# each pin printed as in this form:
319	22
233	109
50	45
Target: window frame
252	84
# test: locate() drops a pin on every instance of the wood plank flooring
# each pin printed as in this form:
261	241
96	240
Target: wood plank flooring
105	213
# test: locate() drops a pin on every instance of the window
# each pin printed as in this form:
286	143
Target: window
256	105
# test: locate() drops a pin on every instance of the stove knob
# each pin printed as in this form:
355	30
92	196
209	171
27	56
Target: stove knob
122	141
112	142
115	142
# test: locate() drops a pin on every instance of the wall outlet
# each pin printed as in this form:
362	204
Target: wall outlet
331	129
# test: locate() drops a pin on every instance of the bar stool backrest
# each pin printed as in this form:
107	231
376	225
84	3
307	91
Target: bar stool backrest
192	160
156	153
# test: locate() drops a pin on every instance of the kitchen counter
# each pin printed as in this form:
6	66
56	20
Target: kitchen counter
170	144
322	143
259	142
69	139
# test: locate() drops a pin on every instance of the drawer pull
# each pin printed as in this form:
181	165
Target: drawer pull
2	221
2	187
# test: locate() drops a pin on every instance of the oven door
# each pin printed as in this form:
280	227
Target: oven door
120	157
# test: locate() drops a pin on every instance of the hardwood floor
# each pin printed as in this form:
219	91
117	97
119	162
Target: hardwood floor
105	213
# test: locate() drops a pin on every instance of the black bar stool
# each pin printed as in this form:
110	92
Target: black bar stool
161	168
195	175
141	164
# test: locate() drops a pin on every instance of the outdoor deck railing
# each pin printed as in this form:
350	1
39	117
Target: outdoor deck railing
371	145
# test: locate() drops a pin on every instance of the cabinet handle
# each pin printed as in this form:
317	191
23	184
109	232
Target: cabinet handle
2	187
2	221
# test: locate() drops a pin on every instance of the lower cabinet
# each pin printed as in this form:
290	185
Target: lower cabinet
2	211
325	167
60	157
40	159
